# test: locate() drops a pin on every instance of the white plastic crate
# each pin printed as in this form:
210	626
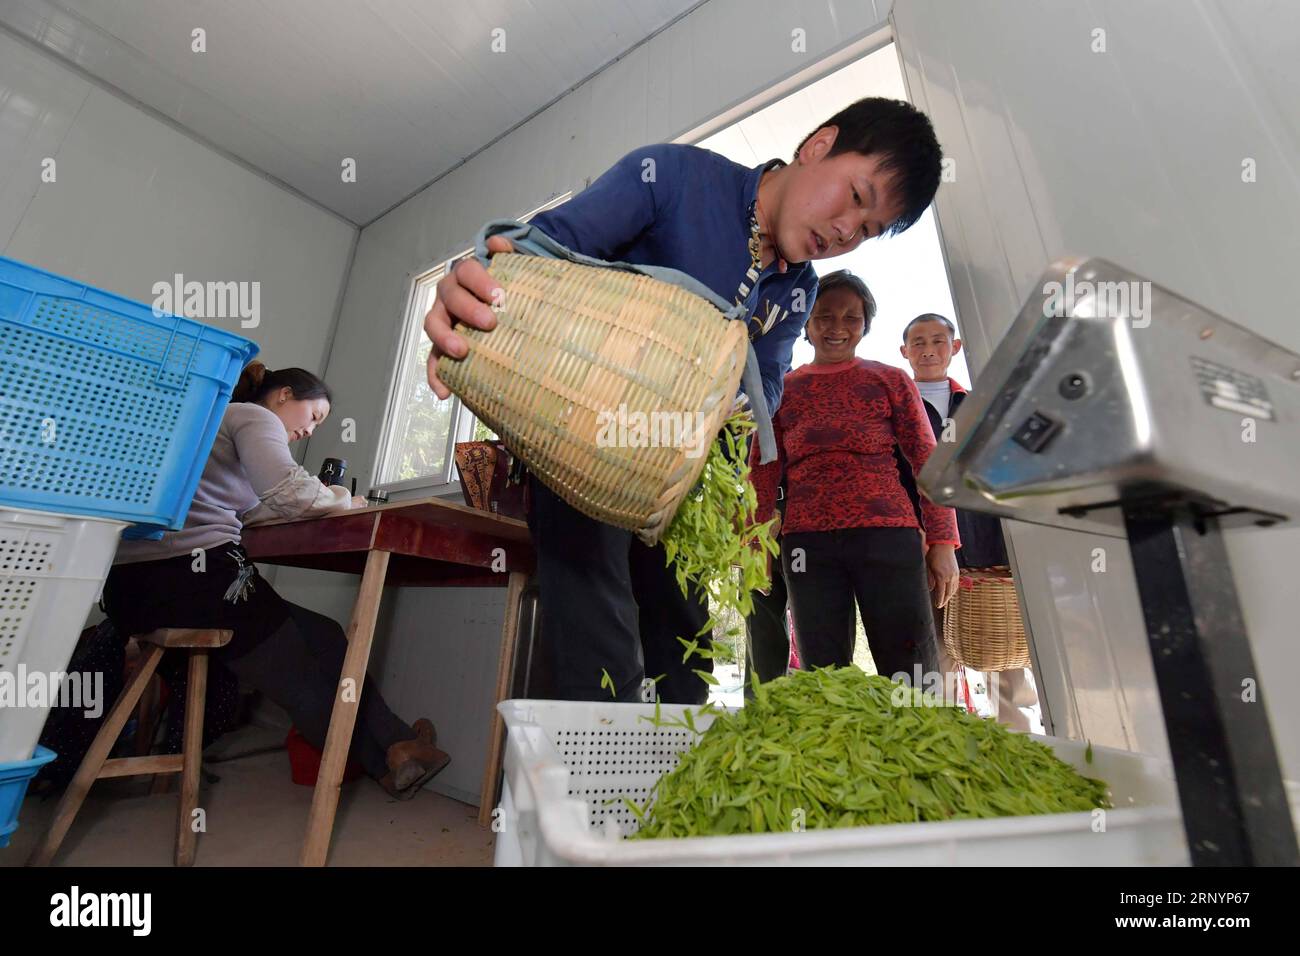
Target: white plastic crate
566	761
52	569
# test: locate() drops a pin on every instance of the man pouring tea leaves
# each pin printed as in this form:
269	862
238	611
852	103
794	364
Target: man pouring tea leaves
609	602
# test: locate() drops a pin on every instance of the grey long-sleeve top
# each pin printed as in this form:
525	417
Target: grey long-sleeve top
249	477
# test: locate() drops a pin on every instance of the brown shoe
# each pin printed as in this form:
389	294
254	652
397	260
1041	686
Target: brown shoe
405	751
420	747
424	730
416	773
389	782
405	782
413	762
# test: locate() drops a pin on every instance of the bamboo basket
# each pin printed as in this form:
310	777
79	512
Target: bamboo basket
575	344
982	626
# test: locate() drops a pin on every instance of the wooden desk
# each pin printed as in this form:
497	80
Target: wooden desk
423	543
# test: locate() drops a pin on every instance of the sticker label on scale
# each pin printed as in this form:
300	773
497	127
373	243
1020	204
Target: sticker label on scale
1231	390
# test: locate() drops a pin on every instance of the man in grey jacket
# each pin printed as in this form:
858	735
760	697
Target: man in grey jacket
929	344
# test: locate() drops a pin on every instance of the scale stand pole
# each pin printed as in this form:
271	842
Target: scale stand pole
1229	782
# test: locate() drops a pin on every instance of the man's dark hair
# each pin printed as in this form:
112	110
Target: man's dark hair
844	279
904	139
930	317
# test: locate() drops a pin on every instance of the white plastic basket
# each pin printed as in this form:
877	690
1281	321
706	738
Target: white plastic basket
52	569
568	764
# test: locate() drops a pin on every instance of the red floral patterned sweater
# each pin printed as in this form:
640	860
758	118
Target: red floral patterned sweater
835	436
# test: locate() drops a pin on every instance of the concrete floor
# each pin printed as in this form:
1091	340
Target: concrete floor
257	816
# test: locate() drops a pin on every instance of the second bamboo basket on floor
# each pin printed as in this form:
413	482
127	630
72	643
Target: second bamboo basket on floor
610	385
982	626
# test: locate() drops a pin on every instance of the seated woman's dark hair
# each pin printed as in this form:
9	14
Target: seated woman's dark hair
257	381
844	279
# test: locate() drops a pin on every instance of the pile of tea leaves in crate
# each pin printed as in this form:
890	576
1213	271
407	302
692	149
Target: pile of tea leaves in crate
840	748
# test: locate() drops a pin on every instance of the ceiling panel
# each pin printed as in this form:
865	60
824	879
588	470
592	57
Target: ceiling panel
406	88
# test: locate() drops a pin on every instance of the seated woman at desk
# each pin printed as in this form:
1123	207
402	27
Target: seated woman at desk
200	576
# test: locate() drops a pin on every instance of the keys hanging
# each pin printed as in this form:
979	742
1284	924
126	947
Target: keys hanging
243	583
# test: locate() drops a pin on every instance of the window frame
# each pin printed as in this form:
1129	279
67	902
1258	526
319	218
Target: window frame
446	482
443	481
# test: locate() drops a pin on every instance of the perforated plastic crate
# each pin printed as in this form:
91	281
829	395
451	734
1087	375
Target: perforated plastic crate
52	569
105	408
14	778
568	764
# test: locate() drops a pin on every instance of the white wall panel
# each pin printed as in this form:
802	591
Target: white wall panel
38	102
1133	154
136	201
407	88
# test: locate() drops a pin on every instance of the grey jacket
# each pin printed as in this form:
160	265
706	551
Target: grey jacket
249	477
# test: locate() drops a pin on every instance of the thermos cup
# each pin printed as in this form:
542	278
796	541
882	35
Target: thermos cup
332	471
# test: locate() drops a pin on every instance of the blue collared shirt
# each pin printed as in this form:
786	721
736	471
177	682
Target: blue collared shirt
688	208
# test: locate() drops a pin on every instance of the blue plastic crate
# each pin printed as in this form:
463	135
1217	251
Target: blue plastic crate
106	409
14	778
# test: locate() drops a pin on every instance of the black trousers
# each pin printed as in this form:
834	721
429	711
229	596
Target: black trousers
767	633
883	569
609	604
298	667
292	655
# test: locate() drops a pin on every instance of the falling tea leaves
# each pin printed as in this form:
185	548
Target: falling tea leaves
715	530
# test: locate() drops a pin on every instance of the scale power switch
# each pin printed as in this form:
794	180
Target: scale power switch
1036	431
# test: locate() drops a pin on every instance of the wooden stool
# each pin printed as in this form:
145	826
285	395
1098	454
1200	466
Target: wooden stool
96	765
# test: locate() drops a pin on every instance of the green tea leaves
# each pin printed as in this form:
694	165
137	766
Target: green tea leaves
832	748
715	530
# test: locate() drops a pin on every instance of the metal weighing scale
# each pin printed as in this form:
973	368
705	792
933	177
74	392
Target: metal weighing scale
1114	400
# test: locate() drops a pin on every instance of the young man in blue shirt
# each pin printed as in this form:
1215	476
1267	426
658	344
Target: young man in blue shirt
610	603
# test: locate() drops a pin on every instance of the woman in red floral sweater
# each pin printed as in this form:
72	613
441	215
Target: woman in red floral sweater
850	530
